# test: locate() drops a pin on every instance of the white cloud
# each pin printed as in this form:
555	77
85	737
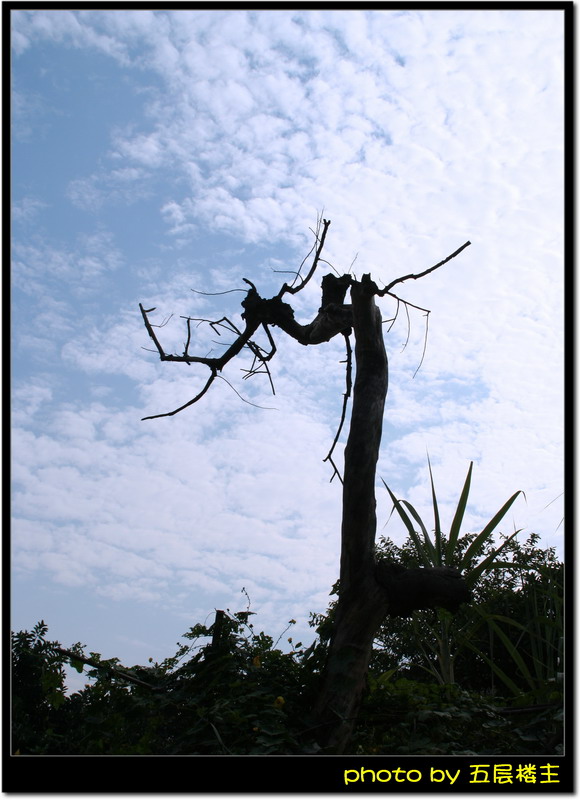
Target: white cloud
26	209
175	514
78	267
125	185
415	132
29	26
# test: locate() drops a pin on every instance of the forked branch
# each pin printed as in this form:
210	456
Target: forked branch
319	242
334	316
412	276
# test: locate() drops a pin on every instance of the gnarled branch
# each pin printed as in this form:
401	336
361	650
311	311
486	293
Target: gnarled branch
334	316
367	591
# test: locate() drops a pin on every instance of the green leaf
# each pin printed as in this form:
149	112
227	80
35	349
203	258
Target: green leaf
410	528
487	532
458	517
513	652
56	699
427	539
511	648
438	533
501	618
513	687
507	565
472	577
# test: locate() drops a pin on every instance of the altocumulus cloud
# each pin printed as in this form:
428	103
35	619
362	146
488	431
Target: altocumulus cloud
214	138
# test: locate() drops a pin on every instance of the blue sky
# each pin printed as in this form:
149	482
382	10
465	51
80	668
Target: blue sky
156	152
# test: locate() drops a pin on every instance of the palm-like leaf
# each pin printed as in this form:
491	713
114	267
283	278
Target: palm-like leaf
458	517
438	533
424	558
429	546
432	554
473	576
489	528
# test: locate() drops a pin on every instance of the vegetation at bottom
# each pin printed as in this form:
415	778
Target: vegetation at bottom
487	680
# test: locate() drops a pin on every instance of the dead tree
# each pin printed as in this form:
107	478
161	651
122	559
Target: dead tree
368	590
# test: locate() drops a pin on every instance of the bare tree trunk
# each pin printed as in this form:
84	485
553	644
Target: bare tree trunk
362	603
368	591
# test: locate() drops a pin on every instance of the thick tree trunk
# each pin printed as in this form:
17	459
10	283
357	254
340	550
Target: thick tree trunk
362	602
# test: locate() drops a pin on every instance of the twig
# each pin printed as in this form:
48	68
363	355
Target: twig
185	353
408	328
216	294
294	289
255	307
150	329
189	403
249	402
106	667
344	405
263	312
414	277
260	356
394	319
425	344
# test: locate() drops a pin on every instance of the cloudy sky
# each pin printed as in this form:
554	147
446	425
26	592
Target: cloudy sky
159	152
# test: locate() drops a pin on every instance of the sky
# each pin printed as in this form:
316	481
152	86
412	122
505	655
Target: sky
160	154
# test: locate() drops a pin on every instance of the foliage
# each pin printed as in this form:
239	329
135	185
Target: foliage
440	637
409	717
510	635
447	551
509	638
38	691
230	690
240	695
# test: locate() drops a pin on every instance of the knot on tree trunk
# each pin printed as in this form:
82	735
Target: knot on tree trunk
409	590
270	311
334	289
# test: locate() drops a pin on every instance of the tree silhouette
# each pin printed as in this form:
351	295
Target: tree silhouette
368	589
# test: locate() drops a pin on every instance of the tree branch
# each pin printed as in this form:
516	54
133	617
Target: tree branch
411	276
262	312
344	405
334	316
294	289
189	403
91	662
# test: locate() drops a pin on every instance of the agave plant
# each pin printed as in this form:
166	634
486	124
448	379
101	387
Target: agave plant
537	651
439	551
